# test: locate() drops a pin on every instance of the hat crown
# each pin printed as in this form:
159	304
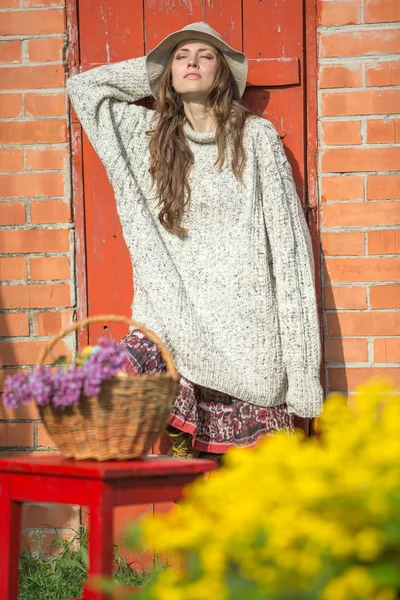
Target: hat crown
203	28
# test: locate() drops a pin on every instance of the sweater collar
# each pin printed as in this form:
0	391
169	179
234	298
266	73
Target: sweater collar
201	137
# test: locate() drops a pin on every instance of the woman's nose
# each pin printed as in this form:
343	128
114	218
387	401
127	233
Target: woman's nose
192	62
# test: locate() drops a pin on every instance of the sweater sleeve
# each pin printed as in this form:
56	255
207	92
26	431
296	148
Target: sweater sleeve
293	267
103	100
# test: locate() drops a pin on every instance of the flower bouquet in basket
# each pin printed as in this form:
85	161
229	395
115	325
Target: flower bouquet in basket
92	408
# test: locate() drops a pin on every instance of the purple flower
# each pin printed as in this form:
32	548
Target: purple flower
17	389
42	385
102	365
62	387
67	387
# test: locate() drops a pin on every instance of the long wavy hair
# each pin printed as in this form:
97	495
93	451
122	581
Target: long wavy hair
170	156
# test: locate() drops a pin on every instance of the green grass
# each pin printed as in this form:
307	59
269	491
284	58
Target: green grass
62	573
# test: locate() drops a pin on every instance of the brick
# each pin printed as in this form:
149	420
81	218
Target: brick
49	267
338	76
383	187
36	296
381	11
11	160
338	13
44	438
343	187
16	434
383	73
50	211
43	50
349	379
24	411
12	213
387	350
51	323
384	242
359	214
45	105
369	102
349	244
27	353
13	268
33	185
37	3
10	51
33	132
46	544
34	240
9	3
341	133
32	22
48	159
10	105
347	160
385	296
21	78
346	350
345	297
362	269
363	323
358	43
14	324
383	131
38	515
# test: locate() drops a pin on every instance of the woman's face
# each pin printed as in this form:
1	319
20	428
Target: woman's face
194	66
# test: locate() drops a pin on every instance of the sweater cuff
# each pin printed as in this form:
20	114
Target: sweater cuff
305	395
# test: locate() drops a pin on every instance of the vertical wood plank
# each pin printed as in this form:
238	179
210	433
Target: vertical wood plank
275	30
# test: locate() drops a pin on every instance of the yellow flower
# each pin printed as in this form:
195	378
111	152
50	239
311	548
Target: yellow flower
292	511
87	350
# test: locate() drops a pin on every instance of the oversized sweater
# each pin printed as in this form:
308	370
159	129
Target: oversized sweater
234	300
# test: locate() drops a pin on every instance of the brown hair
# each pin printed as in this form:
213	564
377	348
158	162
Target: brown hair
170	155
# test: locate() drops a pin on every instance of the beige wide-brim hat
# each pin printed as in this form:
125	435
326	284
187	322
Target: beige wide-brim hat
157	59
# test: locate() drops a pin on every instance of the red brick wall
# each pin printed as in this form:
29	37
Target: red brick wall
36	242
359	164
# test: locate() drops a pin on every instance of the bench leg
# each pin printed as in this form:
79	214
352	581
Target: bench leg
10	524
101	544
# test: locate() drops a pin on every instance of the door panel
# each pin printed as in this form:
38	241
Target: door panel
270	32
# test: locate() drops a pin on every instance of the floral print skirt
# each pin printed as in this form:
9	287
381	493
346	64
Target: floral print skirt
216	421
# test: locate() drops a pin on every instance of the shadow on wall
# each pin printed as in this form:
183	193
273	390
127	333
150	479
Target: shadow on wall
335	354
17	430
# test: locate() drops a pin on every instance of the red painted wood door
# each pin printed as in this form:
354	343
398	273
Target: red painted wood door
271	34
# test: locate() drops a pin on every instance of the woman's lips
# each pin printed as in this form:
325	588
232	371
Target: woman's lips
192	76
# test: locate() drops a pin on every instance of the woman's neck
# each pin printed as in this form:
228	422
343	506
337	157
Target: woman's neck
199	118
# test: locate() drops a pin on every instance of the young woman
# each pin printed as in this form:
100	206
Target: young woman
220	248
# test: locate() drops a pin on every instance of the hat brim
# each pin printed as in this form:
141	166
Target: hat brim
157	59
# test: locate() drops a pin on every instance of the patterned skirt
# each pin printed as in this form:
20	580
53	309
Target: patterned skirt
216	421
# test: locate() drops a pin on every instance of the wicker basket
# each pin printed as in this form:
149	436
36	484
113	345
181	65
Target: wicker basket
121	422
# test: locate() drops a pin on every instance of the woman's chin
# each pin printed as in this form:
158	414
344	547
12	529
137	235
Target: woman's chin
193	93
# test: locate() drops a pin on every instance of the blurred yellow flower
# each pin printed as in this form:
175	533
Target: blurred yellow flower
295	517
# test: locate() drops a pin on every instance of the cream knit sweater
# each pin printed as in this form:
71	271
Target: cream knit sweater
235	300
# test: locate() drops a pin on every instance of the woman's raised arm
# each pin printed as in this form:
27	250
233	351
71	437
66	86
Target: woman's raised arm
103	100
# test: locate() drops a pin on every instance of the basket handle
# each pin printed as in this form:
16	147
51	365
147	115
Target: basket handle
171	369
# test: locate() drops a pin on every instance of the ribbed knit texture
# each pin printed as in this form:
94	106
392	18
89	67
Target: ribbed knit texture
234	300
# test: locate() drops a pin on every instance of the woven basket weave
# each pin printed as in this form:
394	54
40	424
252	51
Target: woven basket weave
124	419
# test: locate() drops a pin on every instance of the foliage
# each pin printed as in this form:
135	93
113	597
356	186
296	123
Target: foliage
64	386
295	518
61	573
